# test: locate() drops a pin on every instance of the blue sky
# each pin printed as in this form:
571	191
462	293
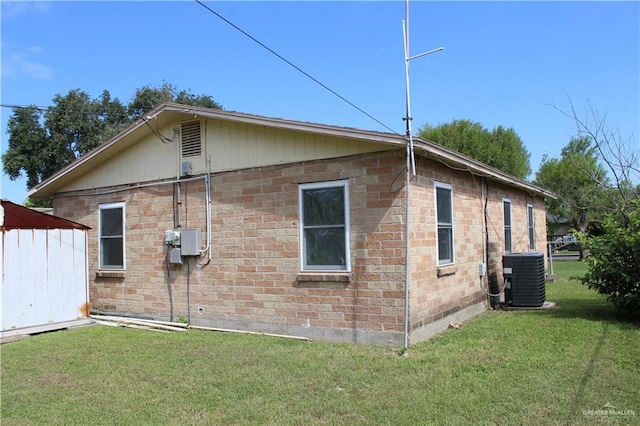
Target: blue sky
503	63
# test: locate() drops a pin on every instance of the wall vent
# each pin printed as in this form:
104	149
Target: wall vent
191	139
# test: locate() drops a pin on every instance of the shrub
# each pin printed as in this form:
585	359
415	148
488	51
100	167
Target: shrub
614	260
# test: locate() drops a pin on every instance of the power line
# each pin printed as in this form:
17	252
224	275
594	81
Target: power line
98	112
45	109
129	118
34	107
297	68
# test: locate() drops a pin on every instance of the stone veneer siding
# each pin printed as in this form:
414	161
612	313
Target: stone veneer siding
447	294
253	281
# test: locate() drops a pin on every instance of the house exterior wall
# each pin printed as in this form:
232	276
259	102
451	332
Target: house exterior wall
253	281
446	294
520	236
440	291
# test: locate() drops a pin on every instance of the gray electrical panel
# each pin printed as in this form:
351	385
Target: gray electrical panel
190	242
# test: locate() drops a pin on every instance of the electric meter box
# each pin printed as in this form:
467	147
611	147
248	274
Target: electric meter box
172	237
190	242
174	256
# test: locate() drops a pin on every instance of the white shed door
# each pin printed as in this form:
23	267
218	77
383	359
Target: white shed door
44	277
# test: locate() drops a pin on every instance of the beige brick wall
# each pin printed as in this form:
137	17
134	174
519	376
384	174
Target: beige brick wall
253	279
438	292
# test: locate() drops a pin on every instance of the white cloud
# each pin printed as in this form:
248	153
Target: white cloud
22	62
13	8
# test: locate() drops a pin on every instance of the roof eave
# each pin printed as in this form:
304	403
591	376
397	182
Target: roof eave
40	189
451	158
281	123
429	148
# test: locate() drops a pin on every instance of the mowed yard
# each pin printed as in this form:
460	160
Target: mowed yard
576	364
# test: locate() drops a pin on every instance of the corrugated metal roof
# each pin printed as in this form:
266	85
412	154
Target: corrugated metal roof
15	216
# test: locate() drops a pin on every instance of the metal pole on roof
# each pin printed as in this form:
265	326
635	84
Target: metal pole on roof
407	58
411	165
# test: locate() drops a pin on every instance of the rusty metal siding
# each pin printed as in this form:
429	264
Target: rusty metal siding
44	277
15	216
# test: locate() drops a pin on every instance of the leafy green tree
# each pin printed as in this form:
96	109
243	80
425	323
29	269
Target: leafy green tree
149	97
33	202
77	124
614	260
114	114
25	143
609	167
577	179
501	147
42	141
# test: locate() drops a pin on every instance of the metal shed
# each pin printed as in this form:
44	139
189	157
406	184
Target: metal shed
43	269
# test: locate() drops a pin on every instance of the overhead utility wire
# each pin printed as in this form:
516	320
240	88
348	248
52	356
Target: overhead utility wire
64	109
35	107
46	109
156	132
297	68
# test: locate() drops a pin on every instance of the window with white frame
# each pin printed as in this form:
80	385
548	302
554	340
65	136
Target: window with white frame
444	210
531	227
324	226
506	205
112	236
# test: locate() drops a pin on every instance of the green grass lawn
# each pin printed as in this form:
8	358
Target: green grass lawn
576	364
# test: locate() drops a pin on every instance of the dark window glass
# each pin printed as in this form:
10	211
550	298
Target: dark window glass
112	238
445	225
324	227
507	226
324	206
532	235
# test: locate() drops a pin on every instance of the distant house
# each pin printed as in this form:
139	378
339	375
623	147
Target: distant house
557	226
247	222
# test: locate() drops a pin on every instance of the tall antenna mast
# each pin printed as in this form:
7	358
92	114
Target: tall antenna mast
407	58
411	171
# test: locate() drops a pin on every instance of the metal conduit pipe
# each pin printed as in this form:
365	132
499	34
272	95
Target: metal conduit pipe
407	277
207	190
178	223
